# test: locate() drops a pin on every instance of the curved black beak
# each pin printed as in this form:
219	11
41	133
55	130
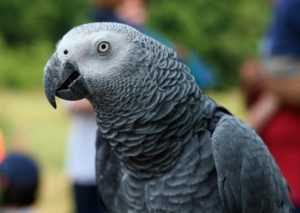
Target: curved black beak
51	78
63	80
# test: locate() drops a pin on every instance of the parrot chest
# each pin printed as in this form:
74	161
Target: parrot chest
191	186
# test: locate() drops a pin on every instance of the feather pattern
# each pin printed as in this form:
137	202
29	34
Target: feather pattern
163	146
167	137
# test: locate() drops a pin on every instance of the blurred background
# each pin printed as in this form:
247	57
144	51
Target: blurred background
223	33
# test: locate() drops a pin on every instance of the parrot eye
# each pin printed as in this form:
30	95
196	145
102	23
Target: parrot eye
103	47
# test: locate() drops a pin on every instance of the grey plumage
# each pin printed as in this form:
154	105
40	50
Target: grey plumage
163	146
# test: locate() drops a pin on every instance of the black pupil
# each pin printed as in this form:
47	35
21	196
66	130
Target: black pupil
66	52
103	46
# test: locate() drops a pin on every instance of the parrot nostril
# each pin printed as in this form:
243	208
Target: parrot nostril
66	52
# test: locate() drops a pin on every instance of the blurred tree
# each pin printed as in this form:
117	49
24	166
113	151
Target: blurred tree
28	31
23	21
222	32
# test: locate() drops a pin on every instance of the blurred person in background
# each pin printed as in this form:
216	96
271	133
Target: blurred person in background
81	157
272	90
2	147
19	183
134	13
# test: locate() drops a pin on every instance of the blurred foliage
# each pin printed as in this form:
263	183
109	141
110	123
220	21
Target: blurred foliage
223	33
22	21
28	32
22	65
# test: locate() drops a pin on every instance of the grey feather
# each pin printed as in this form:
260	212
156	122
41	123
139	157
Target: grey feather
164	145
244	159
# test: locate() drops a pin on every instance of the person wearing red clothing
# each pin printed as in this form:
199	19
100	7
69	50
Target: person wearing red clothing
282	136
279	126
272	91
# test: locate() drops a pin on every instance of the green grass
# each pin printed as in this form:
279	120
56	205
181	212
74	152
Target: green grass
22	65
232	100
30	124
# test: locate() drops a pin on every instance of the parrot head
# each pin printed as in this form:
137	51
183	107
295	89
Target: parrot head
90	59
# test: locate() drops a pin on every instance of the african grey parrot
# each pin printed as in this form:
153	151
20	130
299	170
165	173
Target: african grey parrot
163	146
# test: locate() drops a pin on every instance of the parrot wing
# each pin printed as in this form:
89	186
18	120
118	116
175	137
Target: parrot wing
248	177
